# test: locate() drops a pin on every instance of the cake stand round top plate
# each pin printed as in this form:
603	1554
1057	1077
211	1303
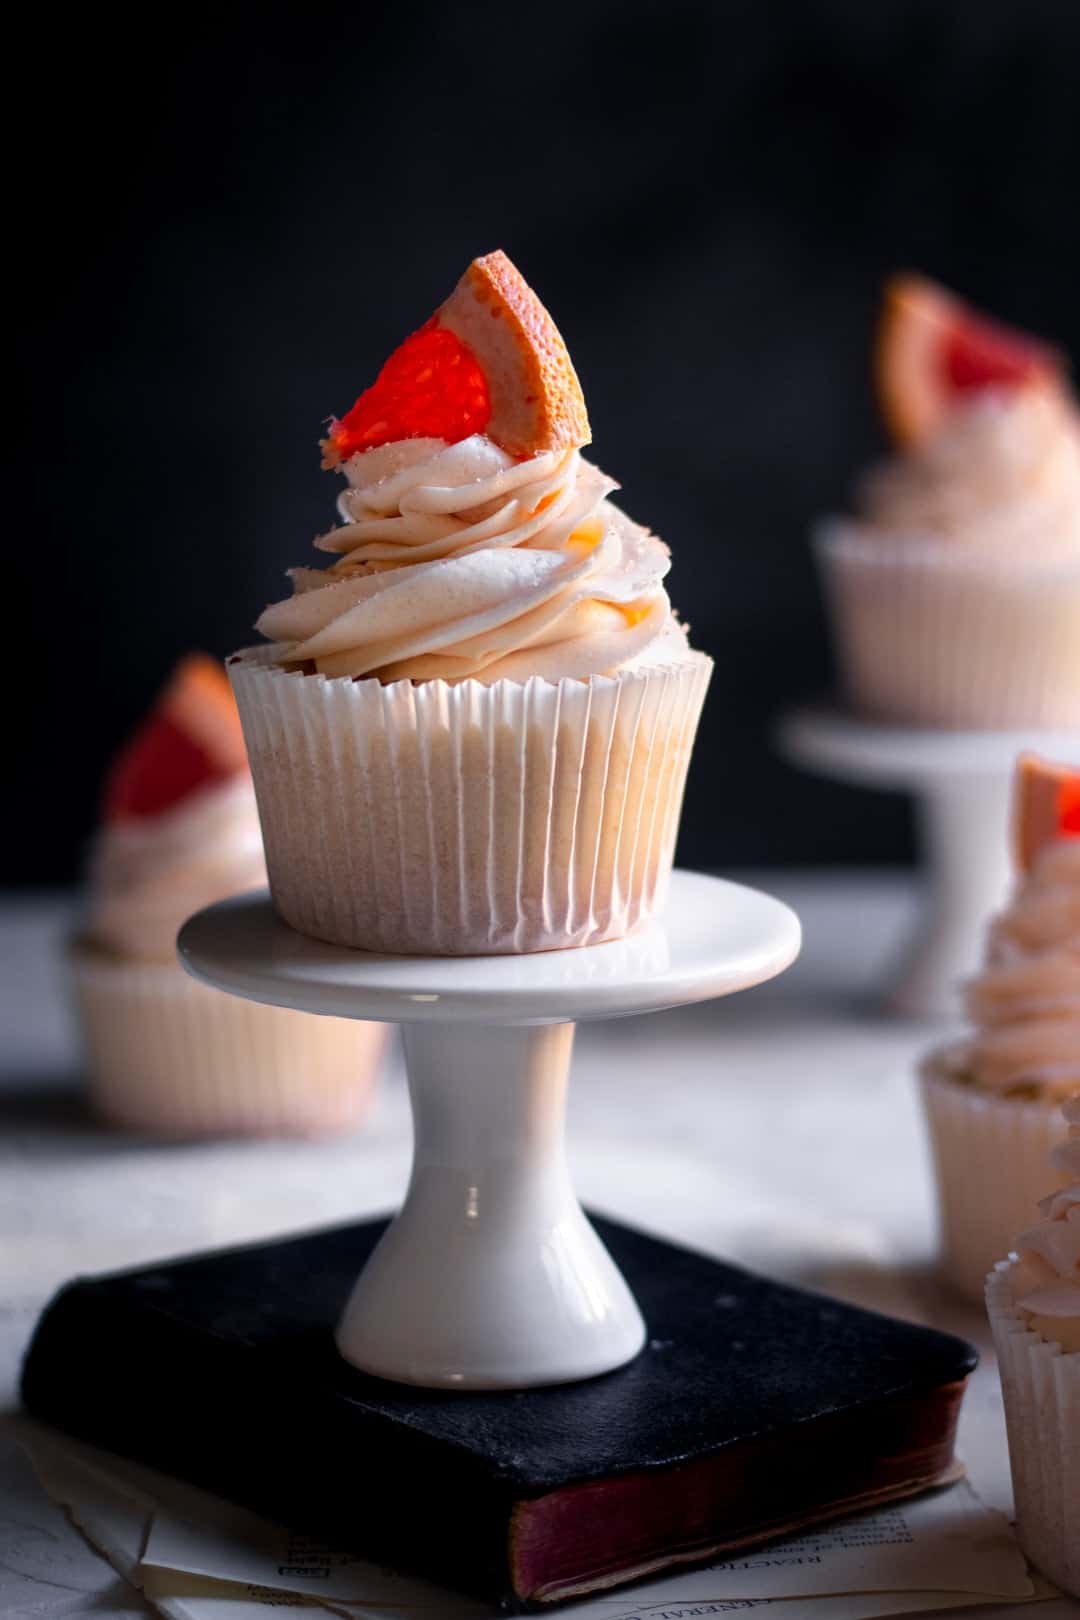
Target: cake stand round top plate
714	938
900	756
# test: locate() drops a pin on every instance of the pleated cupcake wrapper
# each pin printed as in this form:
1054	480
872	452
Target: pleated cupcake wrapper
925	638
172	1057
1041	1390
468	819
991	1158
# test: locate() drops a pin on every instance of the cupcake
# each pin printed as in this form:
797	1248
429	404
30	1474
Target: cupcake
1033	1300
471	730
993	1099
954	593
167	1055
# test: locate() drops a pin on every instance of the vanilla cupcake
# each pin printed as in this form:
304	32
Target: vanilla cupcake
954	593
993	1099
1033	1300
165	1054
471	732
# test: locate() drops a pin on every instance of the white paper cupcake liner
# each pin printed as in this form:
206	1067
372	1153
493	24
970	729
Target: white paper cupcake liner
468	819
990	1158
931	635
1041	1390
172	1057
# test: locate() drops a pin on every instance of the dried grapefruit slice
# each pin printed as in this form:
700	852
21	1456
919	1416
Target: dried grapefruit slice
190	740
932	350
1046	806
491	359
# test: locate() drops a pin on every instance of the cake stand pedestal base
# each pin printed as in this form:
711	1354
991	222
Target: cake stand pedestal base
491	1273
491	1277
961	781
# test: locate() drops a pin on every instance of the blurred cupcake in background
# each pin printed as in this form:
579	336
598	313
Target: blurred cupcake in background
993	1100
471	731
167	1055
954	593
1033	1301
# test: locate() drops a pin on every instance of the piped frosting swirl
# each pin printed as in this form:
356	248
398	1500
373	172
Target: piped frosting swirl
1001	473
1026	1002
1046	1280
459	562
147	876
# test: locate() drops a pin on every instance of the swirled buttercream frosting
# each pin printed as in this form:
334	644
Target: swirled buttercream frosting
1046	1278
1001	472
1026	1002
458	561
147	876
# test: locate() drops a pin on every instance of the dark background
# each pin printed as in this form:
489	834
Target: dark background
225	223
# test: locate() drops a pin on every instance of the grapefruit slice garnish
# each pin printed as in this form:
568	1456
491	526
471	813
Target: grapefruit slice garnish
430	388
190	740
1046	806
932	351
490	360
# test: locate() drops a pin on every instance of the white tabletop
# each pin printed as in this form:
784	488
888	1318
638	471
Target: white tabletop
780	1128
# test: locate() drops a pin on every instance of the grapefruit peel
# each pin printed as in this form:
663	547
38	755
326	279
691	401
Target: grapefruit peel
932	351
1046	806
490	359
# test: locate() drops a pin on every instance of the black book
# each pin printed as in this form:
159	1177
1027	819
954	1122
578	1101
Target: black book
755	1409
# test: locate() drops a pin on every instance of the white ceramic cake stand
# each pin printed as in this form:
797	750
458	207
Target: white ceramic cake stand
961	780
491	1277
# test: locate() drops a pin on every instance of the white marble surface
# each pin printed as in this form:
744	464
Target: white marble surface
780	1128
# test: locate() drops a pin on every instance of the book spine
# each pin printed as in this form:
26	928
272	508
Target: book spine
694	1512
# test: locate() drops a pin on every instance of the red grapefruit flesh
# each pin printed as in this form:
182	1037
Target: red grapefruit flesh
932	351
430	388
1069	810
190	740
1046	806
490	360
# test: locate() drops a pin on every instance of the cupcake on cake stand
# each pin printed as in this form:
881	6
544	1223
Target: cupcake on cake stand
491	1277
469	738
955	603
